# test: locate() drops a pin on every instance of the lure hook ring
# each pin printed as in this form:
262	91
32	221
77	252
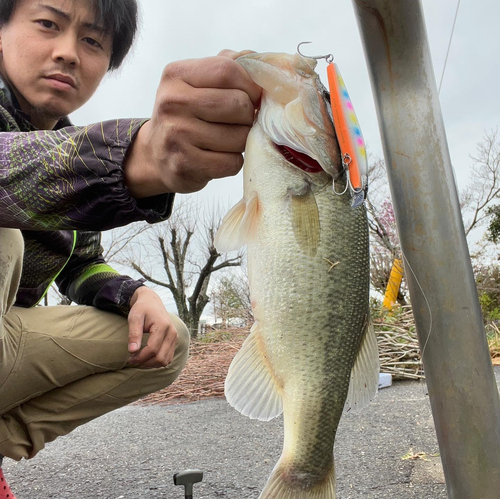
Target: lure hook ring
346	160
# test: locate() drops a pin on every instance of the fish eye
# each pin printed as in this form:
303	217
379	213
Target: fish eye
303	73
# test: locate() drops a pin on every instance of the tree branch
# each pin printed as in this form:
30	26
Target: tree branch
166	261
149	278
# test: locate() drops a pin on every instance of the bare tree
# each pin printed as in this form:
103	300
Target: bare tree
381	220
476	205
484	187
117	240
230	299
180	256
385	247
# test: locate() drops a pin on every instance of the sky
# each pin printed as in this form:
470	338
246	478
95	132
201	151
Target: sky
172	30
176	30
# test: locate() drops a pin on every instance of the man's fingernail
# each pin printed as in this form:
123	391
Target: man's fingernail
133	346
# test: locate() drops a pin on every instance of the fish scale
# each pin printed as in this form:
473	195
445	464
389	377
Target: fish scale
308	267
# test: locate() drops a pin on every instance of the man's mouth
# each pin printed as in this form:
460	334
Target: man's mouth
62	81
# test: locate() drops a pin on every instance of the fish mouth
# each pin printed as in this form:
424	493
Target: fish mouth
299	159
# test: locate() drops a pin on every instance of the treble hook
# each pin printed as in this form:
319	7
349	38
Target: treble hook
328	57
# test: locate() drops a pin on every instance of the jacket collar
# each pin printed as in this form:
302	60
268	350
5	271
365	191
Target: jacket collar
9	101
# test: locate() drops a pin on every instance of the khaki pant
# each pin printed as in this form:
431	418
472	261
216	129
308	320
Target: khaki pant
61	367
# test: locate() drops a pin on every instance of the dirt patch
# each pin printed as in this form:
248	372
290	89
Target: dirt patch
207	366
206	369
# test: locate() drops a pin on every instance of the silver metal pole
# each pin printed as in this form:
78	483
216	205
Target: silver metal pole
462	389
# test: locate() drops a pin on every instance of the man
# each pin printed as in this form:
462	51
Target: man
63	366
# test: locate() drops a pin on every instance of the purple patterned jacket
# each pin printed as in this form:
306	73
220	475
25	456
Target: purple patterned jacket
60	187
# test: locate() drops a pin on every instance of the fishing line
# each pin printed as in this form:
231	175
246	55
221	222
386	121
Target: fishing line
428	306
449	46
444	70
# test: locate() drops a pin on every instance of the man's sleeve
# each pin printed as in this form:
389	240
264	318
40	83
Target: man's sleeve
88	280
72	178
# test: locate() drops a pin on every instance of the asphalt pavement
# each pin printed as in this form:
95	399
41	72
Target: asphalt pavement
387	450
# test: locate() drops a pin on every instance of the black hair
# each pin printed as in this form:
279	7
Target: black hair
119	17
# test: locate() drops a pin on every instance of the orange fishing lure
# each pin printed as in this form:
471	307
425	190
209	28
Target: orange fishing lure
351	142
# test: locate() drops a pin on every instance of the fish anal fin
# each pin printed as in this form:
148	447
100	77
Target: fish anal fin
239	225
365	373
252	386
305	221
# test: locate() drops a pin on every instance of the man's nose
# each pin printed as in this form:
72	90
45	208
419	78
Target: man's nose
66	49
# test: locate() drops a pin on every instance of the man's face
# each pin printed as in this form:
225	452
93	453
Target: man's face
54	56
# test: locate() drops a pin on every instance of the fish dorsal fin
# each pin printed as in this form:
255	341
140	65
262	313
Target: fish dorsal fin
305	221
239	225
365	373
252	387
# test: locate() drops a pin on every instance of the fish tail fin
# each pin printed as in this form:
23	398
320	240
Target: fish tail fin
281	485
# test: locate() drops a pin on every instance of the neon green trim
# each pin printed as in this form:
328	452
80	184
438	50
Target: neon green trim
98	268
57	275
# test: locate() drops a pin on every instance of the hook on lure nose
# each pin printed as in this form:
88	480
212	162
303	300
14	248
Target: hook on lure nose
327	57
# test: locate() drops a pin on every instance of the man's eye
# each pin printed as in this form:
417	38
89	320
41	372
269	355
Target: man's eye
47	24
92	42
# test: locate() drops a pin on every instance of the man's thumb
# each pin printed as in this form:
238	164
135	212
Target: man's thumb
135	332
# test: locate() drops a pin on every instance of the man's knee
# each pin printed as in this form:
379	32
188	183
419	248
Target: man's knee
163	377
11	260
182	347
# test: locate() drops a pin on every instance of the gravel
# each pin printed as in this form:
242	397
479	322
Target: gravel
133	453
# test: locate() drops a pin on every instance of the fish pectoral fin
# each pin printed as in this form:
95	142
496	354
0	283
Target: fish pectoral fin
239	225
252	387
305	221
365	373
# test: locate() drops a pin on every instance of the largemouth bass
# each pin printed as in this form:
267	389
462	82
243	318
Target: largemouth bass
308	265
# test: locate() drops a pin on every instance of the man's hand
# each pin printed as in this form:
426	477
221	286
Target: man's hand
148	315
203	112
